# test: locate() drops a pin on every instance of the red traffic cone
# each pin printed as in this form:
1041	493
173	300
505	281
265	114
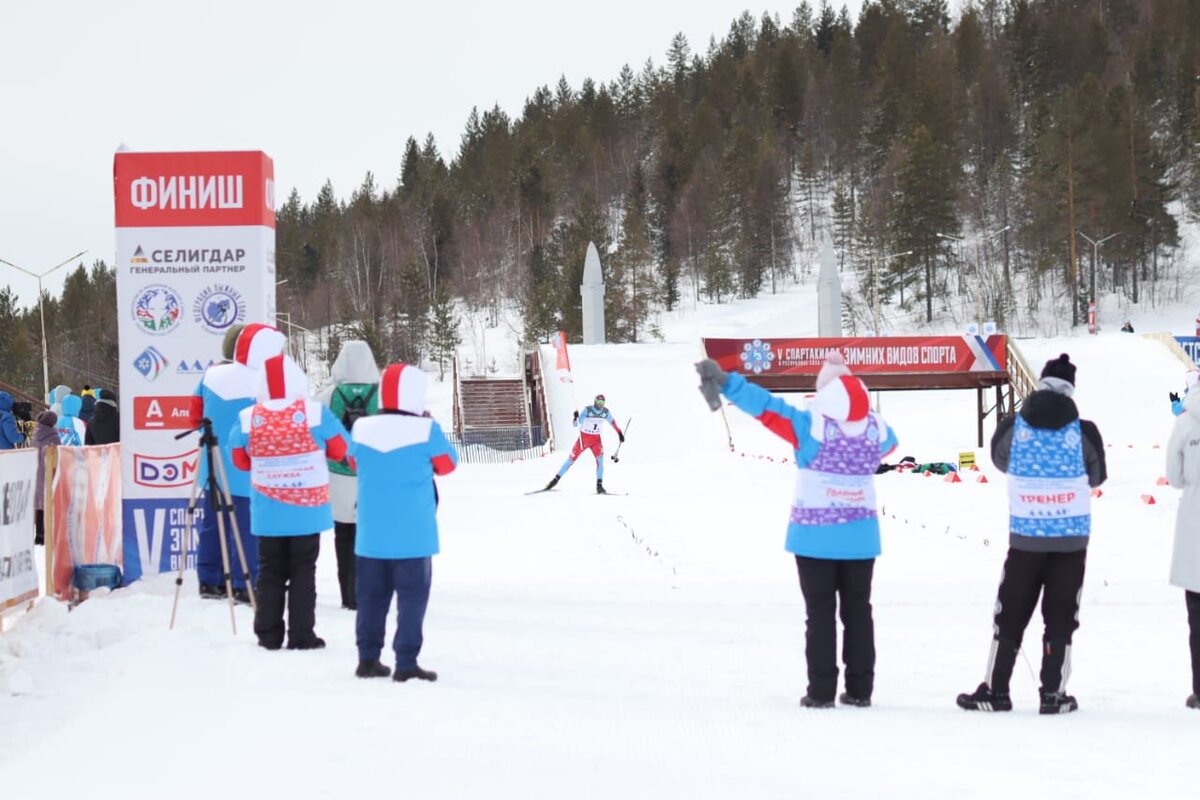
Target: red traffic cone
1162	481
953	478
974	468
981	479
926	473
1149	500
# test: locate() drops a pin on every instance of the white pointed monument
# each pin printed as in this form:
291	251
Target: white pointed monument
829	294
592	290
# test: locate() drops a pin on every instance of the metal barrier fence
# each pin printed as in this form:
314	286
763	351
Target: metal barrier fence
498	445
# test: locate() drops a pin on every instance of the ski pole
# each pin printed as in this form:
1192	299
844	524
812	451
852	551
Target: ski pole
617	453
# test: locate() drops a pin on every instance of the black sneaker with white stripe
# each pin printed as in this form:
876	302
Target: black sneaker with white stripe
984	699
1057	703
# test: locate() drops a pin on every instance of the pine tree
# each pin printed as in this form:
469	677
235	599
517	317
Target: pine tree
444	338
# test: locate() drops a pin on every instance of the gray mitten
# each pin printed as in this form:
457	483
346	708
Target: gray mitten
712	378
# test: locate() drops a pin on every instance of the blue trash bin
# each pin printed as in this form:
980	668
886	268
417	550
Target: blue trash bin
88	577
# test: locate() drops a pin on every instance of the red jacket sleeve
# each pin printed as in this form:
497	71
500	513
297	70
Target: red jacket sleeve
240	458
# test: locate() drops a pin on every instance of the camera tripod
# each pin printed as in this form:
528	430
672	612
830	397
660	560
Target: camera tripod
216	489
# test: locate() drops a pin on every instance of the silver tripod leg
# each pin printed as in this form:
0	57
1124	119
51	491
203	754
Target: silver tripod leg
187	540
222	504
227	498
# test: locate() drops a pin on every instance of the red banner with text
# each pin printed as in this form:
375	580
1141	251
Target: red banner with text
864	356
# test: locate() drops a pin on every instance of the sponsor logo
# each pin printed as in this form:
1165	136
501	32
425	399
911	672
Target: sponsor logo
186	192
194	367
218	307
162	413
150	363
164	472
139	256
757	356
157	309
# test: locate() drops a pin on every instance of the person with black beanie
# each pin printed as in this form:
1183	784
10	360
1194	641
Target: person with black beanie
105	427
1053	459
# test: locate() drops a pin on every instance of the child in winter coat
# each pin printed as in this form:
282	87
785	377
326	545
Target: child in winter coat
1052	457
834	526
397	454
283	441
1183	472
44	435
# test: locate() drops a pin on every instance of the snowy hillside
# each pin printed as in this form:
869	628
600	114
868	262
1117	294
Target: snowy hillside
651	645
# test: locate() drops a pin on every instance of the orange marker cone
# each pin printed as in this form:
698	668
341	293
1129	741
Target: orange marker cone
981	479
926	473
1149	500
1097	493
1162	481
953	478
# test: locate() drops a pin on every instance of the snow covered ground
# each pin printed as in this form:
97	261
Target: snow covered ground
651	645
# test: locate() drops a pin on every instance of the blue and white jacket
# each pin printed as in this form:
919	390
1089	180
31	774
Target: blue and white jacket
838	444
397	453
1052	458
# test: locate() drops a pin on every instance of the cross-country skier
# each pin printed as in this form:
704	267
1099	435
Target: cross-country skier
834	525
1052	457
589	421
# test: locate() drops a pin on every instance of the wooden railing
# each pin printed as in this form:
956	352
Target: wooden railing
1021	378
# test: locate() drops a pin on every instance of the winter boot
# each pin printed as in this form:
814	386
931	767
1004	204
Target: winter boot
811	702
403	675
600	487
848	699
211	591
1057	703
1193	701
553	482
313	642
984	699
242	596
372	669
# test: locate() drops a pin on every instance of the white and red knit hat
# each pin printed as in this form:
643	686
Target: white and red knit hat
282	379
256	343
402	388
840	395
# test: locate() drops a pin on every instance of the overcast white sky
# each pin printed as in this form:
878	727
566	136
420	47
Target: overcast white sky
328	89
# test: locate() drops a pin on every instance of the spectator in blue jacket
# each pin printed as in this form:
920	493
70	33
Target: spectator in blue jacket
10	434
834	526
396	454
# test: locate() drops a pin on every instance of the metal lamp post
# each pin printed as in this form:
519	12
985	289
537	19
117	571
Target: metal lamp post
1095	243
42	313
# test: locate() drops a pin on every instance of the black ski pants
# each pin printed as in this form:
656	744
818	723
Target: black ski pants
1057	578
344	534
287	570
1193	609
828	584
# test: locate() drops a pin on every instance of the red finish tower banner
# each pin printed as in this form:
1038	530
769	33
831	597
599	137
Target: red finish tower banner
162	190
195	257
865	356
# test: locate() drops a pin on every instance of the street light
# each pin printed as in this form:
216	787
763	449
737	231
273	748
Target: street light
42	314
1095	243
875	284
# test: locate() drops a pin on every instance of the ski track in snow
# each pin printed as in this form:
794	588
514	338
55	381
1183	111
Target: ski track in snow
652	645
